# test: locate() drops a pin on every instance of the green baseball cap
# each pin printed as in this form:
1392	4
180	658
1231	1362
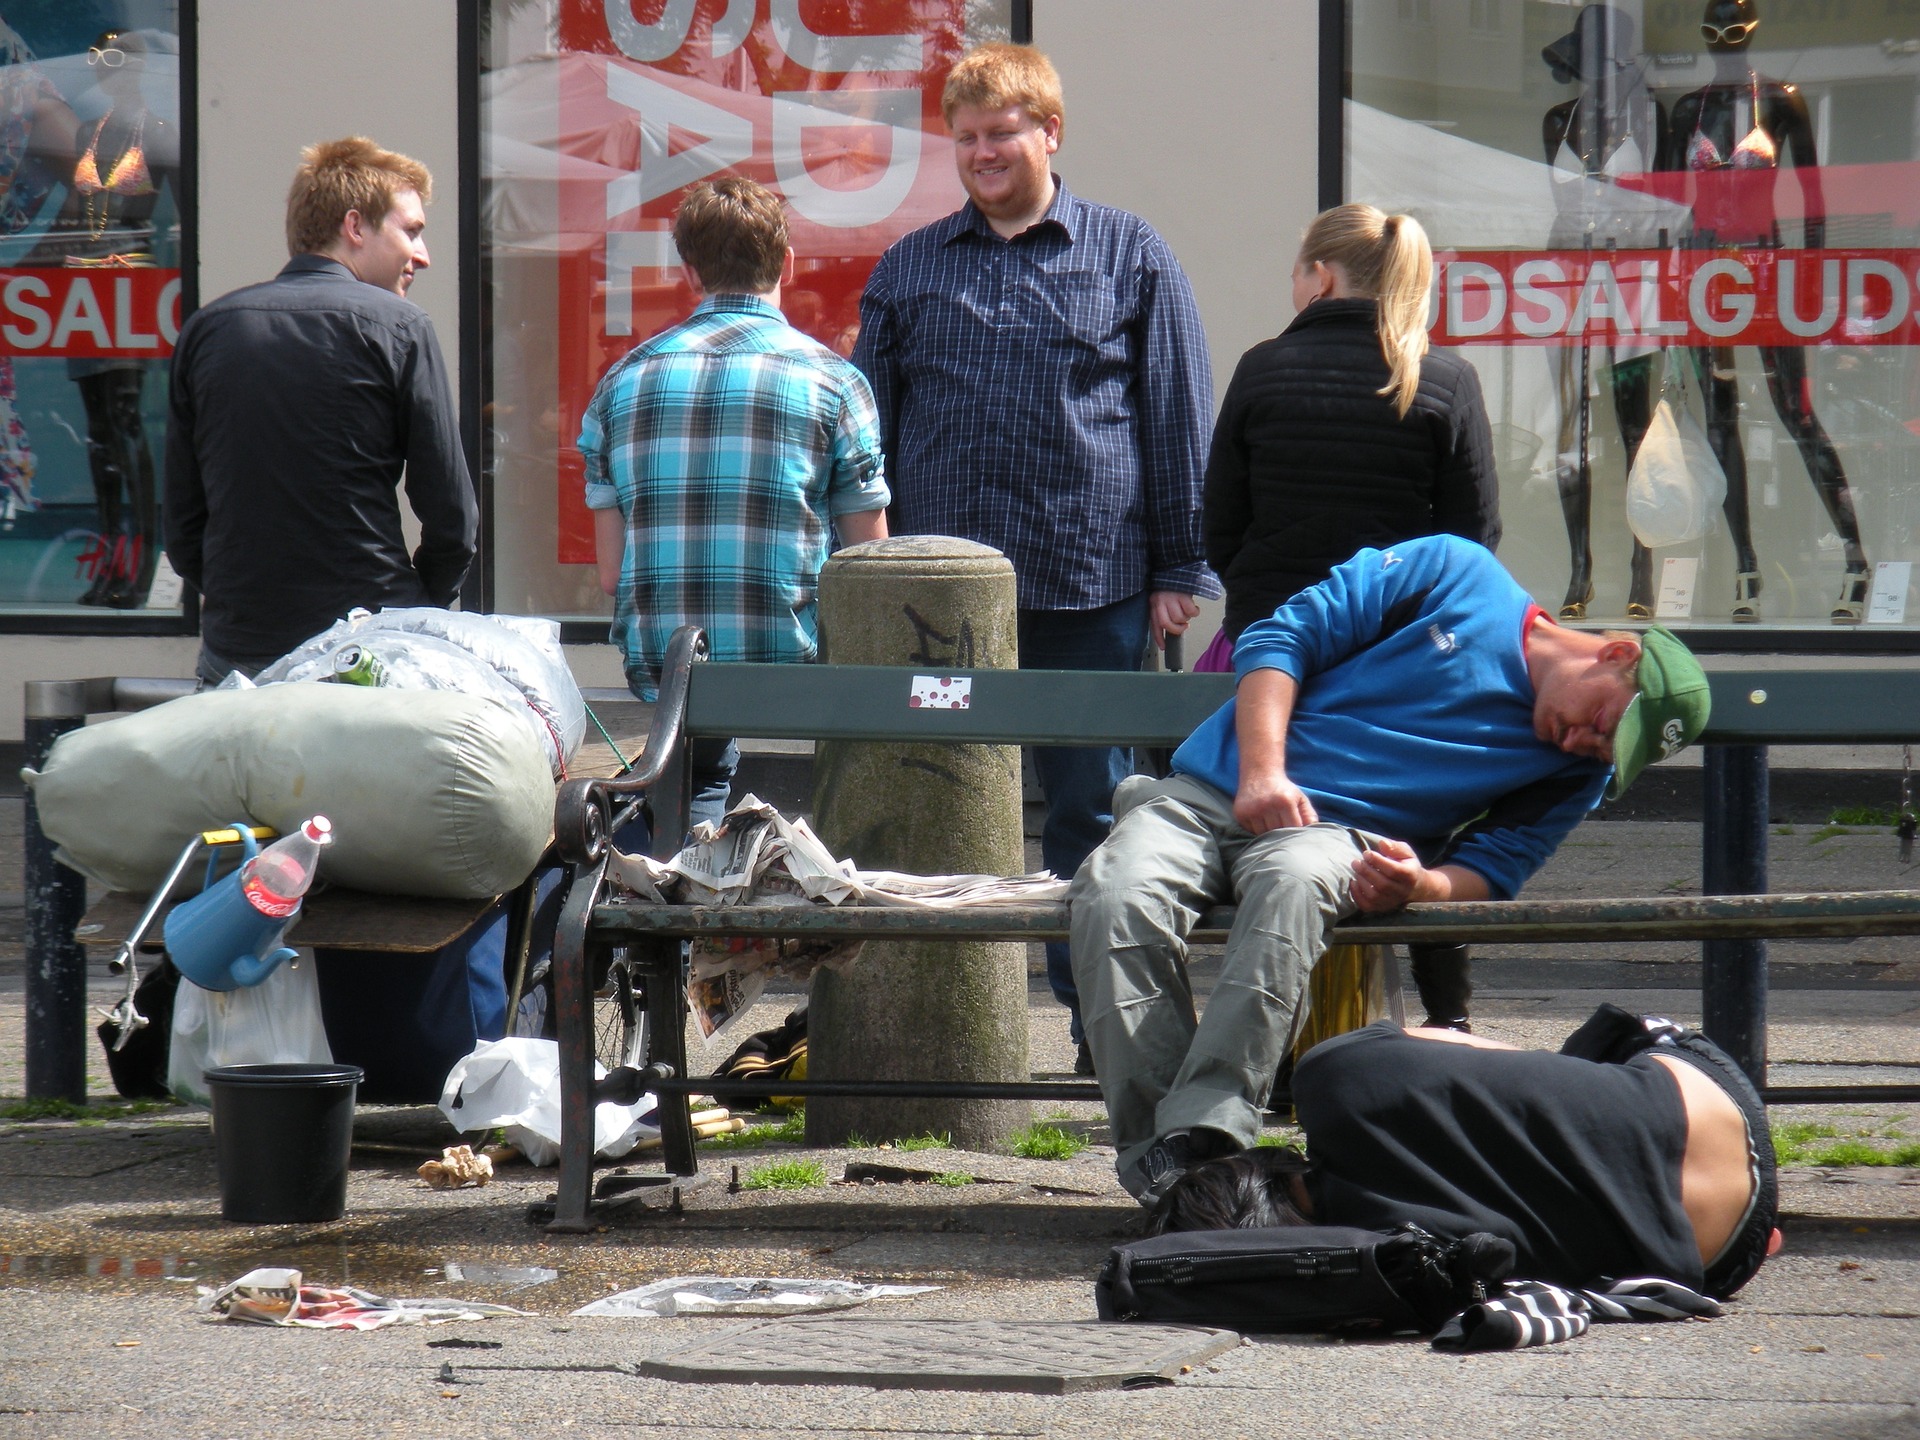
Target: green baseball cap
1667	715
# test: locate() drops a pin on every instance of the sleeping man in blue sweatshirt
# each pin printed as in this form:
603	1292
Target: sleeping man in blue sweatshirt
1413	728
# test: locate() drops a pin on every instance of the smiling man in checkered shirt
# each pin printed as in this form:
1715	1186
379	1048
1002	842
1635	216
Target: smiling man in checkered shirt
1044	388
722	456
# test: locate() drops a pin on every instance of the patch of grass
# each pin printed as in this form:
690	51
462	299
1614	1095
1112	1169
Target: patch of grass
857	1141
1276	1142
89	1113
1849	1152
1863	815
787	1175
924	1142
1047	1142
1827	832
792	1130
1783	829
1811	1142
952	1177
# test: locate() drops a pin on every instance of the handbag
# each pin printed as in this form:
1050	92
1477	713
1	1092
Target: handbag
1301	1278
1676	482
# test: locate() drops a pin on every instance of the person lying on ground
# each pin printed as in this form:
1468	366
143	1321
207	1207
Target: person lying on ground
1639	1149
1412	728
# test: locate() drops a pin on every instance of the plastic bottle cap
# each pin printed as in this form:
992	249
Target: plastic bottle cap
319	830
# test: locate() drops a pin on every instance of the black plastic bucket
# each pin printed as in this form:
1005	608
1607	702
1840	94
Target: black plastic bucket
281	1134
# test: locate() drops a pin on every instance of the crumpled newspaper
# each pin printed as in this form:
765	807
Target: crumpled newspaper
757	856
277	1297
457	1166
713	1295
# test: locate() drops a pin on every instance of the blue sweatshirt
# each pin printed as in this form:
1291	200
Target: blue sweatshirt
1415	713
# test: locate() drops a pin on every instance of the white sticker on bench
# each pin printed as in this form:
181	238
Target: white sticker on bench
941	692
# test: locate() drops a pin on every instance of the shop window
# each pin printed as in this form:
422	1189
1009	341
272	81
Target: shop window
1696	210
595	118
90	236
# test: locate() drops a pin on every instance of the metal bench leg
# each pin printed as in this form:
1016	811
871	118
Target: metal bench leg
573	1023
666	974
1733	855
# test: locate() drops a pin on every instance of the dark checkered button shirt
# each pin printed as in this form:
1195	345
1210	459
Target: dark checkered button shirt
1049	396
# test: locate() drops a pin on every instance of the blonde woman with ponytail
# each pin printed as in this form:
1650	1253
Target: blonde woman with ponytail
1343	432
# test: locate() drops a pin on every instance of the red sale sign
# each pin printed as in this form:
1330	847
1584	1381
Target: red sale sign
833	104
1735	296
90	312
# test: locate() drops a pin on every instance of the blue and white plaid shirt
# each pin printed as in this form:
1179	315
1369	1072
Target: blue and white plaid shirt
728	442
1050	396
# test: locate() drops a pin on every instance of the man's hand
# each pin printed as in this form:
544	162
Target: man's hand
1172	613
1267	800
1390	876
1387	878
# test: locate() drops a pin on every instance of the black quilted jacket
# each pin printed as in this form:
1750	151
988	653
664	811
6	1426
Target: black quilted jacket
1309	463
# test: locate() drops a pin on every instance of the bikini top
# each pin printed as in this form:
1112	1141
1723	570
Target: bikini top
1755	152
129	175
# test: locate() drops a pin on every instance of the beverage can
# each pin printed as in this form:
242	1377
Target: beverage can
357	665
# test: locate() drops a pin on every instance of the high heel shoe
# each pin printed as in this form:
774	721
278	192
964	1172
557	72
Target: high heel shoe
1577	609
1851	608
1639	610
1746	597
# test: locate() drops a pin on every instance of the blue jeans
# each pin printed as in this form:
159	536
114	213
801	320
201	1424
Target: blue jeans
711	782
1078	781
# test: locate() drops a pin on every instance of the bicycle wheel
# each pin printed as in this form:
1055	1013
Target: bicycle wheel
619	1016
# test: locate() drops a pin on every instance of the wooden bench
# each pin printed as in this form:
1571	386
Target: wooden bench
825	702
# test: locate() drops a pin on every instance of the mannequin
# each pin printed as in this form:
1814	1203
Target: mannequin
124	157
1613	127
1744	121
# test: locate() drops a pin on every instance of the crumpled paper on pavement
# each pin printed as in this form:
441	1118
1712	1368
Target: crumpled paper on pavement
714	1295
756	856
277	1297
457	1166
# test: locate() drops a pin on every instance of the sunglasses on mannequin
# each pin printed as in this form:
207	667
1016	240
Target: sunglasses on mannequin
112	58
1729	34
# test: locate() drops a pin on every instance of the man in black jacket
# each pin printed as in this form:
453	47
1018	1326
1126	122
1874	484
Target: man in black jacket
296	407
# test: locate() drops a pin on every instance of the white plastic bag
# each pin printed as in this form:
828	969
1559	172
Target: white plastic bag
1676	482
515	1084
514	659
276	1022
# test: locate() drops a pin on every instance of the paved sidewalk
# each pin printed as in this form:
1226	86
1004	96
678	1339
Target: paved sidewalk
107	1227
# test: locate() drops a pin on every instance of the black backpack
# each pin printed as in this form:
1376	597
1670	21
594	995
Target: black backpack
1300	1278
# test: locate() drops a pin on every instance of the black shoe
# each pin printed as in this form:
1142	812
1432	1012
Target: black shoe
1083	1061
1170	1157
1459	1022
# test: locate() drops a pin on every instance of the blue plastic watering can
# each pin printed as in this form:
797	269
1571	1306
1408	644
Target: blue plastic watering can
218	940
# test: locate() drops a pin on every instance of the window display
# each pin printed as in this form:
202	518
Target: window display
1657	216
89	300
596	116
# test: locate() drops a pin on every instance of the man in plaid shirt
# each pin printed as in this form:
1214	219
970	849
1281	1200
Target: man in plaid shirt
1044	388
722	456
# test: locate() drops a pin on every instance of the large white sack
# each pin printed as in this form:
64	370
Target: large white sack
430	792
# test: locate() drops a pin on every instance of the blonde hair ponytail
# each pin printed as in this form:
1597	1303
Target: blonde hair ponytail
1388	260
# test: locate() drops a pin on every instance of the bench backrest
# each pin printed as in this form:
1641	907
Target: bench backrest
1095	707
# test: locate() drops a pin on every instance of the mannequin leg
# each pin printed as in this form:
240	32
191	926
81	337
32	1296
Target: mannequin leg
1787	384
1576	487
135	460
1719	388
1632	384
107	489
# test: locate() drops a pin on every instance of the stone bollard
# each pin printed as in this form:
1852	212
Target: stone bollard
930	1009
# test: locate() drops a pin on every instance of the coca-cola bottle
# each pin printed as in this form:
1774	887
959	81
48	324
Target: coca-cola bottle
275	879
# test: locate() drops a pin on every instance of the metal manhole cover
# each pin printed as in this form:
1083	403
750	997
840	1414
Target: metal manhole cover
1042	1357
